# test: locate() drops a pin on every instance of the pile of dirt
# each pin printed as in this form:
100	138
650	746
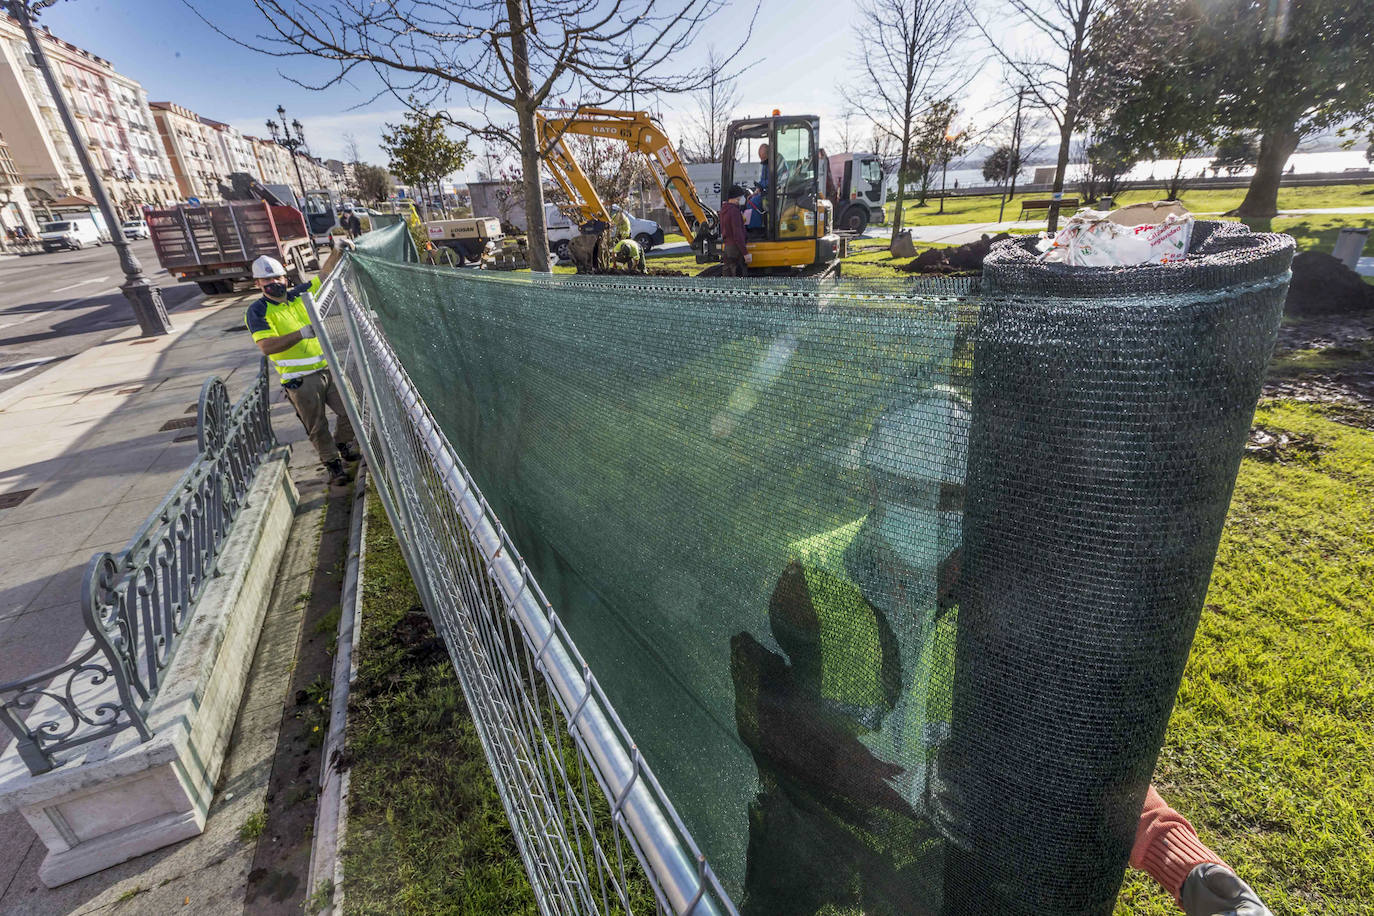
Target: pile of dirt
960	259
1323	285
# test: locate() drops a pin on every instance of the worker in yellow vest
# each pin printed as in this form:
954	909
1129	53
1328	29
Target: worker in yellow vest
620	226
630	255
281	328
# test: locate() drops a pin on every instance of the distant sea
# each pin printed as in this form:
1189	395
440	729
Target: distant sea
1163	169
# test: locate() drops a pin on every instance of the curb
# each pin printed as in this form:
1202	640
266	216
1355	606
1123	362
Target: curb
331	812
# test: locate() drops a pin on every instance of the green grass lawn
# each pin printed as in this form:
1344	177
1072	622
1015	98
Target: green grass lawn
1269	748
869	258
983	208
426	830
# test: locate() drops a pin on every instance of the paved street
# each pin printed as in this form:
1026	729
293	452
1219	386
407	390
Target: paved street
55	305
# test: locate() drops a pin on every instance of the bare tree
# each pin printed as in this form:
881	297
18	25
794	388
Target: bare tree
503	57
912	53
1055	67
350	140
610	165
715	104
846	128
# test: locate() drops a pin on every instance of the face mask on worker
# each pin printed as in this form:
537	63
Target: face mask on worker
275	290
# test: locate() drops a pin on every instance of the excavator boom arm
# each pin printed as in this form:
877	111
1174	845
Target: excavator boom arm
643	135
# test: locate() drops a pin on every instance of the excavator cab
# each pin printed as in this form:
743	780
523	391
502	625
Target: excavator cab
789	222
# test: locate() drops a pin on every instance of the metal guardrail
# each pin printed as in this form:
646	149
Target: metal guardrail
136	604
574	785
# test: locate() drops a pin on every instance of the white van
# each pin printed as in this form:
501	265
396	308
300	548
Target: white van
75	233
562	231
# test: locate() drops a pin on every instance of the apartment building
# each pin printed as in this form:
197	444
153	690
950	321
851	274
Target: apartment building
14	204
112	116
235	148
199	160
273	162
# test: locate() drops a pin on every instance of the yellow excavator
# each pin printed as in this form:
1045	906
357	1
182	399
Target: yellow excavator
791	227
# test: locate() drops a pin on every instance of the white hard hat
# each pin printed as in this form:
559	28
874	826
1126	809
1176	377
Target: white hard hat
265	268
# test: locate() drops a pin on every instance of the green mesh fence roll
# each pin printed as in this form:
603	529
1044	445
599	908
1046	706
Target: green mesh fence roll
1111	408
892	582
390	239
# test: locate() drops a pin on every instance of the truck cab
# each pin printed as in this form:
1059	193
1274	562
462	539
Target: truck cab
321	212
790	223
860	193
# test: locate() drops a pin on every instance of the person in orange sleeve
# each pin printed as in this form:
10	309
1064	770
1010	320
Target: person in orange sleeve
1167	848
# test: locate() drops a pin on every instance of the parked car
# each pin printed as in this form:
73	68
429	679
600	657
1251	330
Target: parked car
73	234
135	229
646	232
562	231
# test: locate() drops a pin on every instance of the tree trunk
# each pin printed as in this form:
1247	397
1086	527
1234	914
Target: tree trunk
1176	183
536	234
1061	166
1262	197
897	214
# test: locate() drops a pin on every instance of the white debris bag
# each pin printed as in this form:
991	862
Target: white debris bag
1150	233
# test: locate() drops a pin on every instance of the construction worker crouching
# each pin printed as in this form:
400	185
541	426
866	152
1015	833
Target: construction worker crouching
631	256
281	328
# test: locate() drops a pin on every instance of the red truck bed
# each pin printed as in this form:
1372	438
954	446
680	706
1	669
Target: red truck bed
222	240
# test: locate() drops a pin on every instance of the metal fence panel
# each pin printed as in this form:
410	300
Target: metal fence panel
577	791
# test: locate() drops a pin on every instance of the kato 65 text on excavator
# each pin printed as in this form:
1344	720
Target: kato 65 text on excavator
792	224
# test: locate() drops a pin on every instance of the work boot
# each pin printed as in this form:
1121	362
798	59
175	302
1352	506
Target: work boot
349	452
338	474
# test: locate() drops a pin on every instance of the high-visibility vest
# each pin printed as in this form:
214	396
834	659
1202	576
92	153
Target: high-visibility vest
842	648
301	358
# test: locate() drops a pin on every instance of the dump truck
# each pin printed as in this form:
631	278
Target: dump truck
214	245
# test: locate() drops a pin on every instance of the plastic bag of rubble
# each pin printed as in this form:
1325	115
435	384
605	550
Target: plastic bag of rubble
1148	233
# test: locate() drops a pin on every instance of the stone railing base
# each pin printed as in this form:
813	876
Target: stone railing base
119	798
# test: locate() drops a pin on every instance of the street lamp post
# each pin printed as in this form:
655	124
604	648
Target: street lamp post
945	152
283	136
143	295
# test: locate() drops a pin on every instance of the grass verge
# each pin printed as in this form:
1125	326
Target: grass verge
426	830
1268	751
983	208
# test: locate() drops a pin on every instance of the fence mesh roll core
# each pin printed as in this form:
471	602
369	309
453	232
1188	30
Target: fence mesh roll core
893	582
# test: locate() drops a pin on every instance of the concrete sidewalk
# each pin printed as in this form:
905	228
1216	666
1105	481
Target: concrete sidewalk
90	449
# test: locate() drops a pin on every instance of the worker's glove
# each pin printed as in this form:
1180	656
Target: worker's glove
343	243
307	331
748	258
1215	890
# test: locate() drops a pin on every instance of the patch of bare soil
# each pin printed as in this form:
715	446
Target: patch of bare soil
1327	360
1281	447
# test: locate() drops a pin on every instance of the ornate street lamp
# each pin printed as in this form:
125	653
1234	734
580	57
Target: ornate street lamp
291	137
143	295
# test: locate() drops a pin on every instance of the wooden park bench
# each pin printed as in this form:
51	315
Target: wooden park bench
1031	206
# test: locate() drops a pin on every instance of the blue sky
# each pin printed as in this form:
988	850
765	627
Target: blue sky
799	53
